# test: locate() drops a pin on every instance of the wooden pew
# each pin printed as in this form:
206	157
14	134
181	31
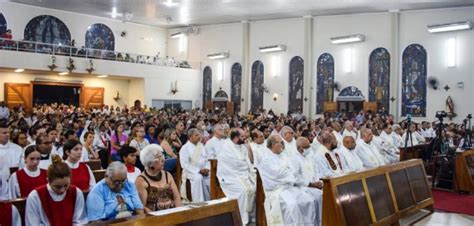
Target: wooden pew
413	152
379	196
215	212
216	191
13	169
464	171
99	174
94	164
177	179
20	205
260	202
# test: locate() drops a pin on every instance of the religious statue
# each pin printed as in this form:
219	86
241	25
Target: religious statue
450	107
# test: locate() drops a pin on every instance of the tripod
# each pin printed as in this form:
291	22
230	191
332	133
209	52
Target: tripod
408	133
467	143
443	158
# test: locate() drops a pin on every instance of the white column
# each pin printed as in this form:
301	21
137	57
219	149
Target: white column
246	70
308	86
395	77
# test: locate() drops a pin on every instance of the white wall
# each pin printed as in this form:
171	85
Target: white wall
413	30
110	85
378	30
18	16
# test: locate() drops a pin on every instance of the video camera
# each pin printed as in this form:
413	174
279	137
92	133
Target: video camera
441	114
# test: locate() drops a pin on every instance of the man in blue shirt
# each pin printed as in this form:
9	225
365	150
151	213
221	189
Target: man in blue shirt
113	197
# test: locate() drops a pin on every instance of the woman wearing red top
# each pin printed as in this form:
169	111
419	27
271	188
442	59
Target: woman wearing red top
56	203
23	181
81	175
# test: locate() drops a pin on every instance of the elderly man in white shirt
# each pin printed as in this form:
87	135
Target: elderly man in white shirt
287	134
349	130
397	135
257	145
325	158
286	202
196	167
236	174
214	144
350	161
367	152
389	151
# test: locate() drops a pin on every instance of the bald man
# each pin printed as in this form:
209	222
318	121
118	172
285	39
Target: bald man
302	163
367	152
346	154
325	159
286	201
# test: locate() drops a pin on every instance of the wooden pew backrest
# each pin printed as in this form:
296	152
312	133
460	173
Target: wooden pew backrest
464	177
378	196
20	205
94	164
216	190
99	174
260	202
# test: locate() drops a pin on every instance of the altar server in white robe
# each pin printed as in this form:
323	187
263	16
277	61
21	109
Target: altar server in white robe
195	166
325	158
236	174
257	145
288	136
286	203
350	161
367	151
397	135
414	137
10	156
389	151
214	144
349	130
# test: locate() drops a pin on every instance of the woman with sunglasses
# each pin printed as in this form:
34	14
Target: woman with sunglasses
58	202
25	180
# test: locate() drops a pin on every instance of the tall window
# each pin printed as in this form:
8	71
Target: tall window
236	86
325	81
206	86
295	86
257	86
414	81
47	29
379	78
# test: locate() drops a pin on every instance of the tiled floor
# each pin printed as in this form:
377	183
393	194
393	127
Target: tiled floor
440	219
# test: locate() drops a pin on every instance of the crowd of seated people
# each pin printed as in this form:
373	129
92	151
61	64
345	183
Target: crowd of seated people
139	148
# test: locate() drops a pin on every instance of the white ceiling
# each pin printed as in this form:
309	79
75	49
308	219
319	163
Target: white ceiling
200	12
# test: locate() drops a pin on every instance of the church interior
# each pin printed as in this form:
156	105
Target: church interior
236	112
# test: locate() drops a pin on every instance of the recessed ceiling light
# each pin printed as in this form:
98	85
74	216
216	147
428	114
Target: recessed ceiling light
114	12
19	70
64	73
102	76
169	3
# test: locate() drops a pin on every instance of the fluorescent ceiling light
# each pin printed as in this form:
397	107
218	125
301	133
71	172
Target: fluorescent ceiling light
64	73
178	35
102	76
215	56
466	25
19	70
169	3
272	48
348	39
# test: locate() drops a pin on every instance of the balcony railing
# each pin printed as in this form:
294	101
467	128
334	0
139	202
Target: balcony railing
89	53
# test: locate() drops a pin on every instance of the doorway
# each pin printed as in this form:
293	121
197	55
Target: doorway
48	93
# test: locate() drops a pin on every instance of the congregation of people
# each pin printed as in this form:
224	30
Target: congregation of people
140	149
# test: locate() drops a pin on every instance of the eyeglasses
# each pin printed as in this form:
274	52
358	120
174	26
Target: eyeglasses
118	182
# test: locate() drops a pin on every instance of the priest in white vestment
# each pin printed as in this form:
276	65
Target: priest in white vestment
236	174
196	167
257	145
214	144
389	151
337	131
349	130
327	161
397	135
367	152
350	161
288	136
286	202
10	156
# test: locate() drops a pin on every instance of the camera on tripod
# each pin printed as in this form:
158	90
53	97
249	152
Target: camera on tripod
441	114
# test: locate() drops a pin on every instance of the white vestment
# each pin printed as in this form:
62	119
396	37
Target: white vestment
414	139
368	154
397	139
237	177
213	146
290	147
258	150
349	133
10	156
349	160
389	150
192	159
329	165
35	215
285	202
339	137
